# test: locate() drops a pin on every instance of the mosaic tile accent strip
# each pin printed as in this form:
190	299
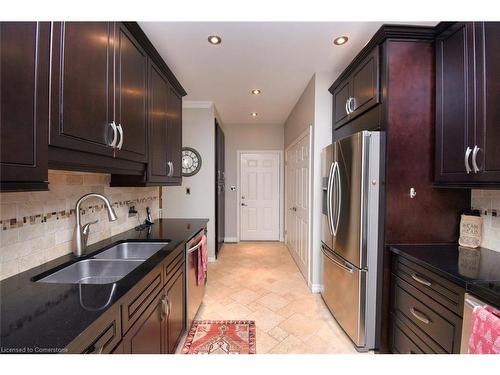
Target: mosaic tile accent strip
64	214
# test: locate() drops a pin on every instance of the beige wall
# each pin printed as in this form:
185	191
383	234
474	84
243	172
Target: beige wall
244	137
198	132
39	226
488	200
302	114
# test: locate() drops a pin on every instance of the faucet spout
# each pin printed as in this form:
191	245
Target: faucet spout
83	233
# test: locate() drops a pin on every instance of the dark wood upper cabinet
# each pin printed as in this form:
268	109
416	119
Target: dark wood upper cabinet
174	137
82	89
358	92
131	96
158	119
487	36
24	54
467	114
340	98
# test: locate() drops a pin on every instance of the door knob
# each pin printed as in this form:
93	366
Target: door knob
244	204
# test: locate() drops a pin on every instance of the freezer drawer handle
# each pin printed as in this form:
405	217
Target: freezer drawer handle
420	280
420	316
343	266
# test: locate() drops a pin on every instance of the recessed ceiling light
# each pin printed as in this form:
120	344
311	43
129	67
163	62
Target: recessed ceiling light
214	39
253	114
340	40
256	91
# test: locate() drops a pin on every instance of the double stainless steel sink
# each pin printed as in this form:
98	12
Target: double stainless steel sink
108	266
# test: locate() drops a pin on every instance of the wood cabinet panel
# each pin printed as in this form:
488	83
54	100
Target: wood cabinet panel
158	112
454	102
24	55
340	97
487	128
467	117
365	84
175	319
174	136
145	336
131	95
82	104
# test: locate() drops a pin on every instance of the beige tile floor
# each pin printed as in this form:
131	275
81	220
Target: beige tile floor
259	281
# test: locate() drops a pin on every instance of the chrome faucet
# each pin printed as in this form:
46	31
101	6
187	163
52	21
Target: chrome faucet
82	233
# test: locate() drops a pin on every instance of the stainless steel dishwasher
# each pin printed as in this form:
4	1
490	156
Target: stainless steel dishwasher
194	290
470	303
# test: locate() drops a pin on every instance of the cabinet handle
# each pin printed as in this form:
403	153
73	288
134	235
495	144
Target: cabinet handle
420	280
474	159
466	161
352	105
164	308
420	316
347	105
120	130
115	134
170	169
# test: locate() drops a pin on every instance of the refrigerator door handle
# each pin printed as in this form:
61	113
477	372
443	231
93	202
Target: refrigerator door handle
338	195
329	199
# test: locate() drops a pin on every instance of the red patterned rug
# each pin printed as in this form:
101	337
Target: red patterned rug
220	337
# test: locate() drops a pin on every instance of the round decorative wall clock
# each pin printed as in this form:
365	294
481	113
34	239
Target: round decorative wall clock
191	161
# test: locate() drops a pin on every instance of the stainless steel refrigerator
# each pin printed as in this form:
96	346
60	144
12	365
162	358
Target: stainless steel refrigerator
352	242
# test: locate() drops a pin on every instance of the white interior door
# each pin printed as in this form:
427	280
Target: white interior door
297	202
260	196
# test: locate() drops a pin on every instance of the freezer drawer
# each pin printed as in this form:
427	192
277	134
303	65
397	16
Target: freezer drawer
344	294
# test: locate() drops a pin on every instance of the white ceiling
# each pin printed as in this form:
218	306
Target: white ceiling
277	57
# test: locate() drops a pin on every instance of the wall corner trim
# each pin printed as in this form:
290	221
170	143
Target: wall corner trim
212	259
197	104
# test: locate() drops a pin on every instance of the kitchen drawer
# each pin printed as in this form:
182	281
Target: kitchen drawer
101	337
433	320
438	288
173	265
405	341
140	297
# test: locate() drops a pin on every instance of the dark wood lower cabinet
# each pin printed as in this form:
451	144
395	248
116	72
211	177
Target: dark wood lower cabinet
174	321
426	310
150	319
146	335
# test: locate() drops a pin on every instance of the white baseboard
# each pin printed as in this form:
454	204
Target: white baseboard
316	288
231	239
211	259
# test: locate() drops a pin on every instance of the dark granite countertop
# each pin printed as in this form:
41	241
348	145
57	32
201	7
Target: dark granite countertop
45	315
477	270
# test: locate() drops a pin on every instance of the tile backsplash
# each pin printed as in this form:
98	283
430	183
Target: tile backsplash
488	202
36	227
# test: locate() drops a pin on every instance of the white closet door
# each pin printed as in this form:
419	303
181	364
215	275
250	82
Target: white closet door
297	203
260	196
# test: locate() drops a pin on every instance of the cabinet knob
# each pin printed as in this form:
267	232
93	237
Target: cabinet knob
413	193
